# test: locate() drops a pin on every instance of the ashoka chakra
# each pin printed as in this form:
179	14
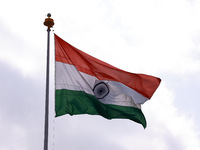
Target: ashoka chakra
101	90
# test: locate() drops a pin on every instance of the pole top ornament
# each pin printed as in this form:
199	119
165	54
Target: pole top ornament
49	21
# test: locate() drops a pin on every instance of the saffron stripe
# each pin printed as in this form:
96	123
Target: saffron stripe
66	53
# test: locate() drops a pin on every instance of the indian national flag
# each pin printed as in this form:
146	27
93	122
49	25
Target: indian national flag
86	85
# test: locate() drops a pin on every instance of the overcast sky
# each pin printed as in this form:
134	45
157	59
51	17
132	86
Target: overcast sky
157	37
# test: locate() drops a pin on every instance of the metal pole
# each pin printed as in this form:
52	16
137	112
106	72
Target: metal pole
48	22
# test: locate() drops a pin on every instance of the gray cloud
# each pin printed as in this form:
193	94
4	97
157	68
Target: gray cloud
21	110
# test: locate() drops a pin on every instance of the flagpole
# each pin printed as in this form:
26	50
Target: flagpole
49	23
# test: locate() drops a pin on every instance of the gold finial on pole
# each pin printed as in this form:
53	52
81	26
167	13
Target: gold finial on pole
49	21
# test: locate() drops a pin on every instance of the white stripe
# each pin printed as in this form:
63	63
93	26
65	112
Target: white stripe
68	77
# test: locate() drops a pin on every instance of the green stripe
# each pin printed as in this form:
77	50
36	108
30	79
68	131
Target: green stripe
79	102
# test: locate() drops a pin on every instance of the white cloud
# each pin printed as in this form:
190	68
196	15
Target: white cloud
168	122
